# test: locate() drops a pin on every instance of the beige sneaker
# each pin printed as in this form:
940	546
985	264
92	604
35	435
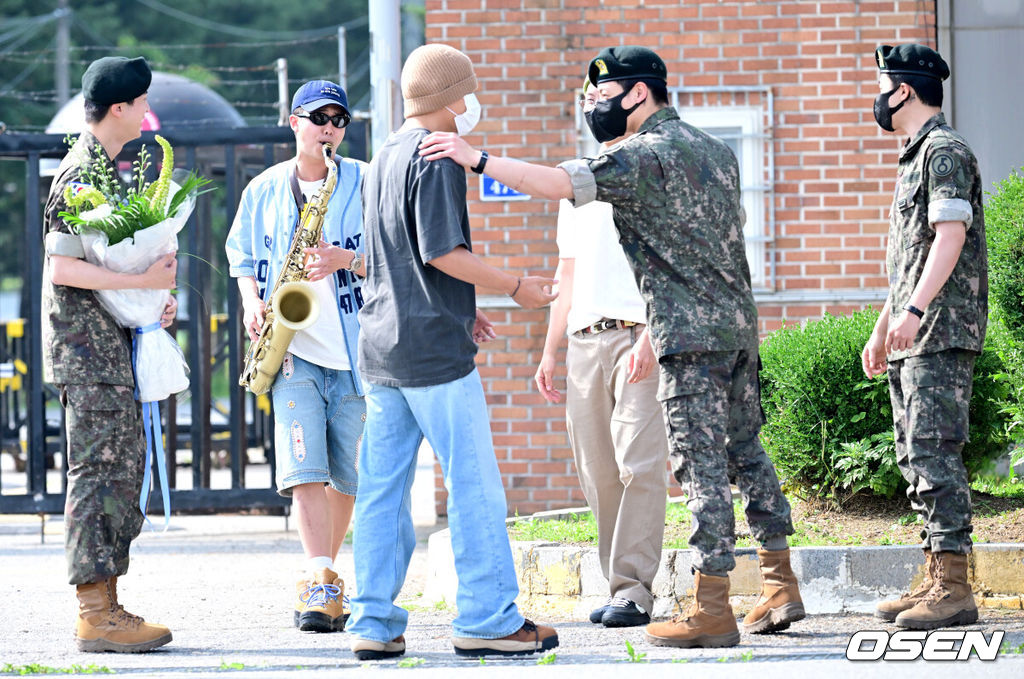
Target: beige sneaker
367	649
530	638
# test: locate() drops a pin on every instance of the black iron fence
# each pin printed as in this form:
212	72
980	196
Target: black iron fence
209	328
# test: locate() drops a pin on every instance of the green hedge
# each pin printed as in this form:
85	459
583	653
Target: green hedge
828	428
1004	231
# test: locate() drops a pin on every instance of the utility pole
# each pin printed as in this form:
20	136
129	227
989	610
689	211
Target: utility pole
342	59
282	91
61	76
385	69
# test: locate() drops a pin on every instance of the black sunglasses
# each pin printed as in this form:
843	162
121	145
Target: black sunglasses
319	118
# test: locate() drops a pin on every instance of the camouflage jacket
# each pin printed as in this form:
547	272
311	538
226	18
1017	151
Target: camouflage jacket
676	197
82	343
939	182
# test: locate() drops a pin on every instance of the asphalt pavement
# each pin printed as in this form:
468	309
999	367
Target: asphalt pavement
224	585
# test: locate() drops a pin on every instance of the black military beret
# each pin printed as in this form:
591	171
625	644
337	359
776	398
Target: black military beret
911	59
111	80
625	63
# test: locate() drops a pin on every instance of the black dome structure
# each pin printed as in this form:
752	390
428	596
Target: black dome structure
175	103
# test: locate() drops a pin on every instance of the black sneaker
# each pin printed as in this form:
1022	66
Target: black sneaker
598	613
622	612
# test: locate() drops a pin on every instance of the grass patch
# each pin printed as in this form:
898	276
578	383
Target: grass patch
1012	487
578	528
35	668
862	520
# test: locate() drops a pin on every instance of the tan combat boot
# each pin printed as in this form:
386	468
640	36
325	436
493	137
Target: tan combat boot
949	602
708	623
104	625
780	603
325	604
888	610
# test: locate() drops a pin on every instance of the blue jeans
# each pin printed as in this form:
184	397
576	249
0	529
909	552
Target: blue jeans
318	423
453	417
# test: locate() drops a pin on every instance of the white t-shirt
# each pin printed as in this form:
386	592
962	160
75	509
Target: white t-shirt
603	283
321	343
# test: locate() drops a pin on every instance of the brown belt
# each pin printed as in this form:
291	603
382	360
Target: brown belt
604	324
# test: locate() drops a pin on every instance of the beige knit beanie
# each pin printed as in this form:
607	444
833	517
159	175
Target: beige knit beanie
435	76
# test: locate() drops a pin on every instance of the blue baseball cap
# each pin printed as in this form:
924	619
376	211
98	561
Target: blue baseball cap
319	93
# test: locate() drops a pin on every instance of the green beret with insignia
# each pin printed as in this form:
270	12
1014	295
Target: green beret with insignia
626	62
111	80
911	59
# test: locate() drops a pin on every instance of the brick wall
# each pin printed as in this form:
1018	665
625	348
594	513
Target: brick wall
834	170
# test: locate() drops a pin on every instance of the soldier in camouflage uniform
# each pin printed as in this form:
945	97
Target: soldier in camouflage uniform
932	325
677	206
87	355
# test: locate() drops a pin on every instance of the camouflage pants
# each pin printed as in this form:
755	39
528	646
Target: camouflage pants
712	408
930	396
106	456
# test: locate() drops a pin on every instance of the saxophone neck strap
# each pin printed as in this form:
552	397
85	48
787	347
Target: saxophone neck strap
300	202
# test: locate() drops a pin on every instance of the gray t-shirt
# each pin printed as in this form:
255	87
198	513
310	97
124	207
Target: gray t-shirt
417	321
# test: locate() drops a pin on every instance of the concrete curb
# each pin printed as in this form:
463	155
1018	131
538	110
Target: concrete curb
566	579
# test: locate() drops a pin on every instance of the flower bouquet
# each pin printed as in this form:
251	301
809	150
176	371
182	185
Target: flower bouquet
127	230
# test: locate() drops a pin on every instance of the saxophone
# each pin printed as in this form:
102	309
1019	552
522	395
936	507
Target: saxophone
292	305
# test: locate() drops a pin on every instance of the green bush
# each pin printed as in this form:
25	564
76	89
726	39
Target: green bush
1004	231
828	428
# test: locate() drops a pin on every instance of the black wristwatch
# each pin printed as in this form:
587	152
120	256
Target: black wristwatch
914	310
483	161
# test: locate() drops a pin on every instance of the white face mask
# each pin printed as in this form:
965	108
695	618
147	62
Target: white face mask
465	122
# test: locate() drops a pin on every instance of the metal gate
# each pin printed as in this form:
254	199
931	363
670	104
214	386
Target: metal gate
214	340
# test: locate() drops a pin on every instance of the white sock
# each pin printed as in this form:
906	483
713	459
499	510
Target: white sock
318	563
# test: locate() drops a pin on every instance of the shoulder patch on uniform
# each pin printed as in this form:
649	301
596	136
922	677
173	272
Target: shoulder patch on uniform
942	164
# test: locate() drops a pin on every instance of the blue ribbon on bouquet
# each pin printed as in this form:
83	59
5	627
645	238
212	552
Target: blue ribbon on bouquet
154	437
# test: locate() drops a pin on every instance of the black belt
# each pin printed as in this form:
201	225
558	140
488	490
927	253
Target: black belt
605	324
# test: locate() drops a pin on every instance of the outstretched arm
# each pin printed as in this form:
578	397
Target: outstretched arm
536	180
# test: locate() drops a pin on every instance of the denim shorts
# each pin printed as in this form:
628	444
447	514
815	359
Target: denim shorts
318	426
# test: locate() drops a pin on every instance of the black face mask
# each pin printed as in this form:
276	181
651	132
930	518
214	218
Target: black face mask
883	112
608	119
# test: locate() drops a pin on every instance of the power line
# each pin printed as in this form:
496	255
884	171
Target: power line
178	46
13	82
246	32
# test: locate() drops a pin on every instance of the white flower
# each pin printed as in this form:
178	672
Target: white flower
97	214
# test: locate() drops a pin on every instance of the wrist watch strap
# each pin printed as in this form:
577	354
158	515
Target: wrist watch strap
914	310
483	162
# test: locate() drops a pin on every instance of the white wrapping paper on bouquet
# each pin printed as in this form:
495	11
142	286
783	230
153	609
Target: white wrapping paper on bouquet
160	368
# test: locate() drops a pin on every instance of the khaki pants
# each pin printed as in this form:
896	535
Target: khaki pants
619	442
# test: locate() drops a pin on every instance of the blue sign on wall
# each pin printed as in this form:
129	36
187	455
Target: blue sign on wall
492	189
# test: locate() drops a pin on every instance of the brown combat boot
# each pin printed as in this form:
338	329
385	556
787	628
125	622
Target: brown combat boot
708	623
780	603
104	625
888	610
949	602
324	607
